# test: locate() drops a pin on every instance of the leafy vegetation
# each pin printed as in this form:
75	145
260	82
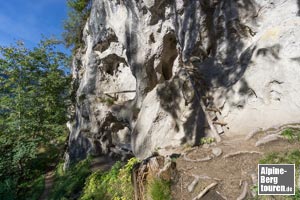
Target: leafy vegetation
291	135
99	185
33	106
114	184
296	196
292	157
108	101
207	140
78	13
159	189
33	189
70	182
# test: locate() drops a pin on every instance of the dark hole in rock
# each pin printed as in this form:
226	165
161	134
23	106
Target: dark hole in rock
104	43
98	149
111	63
168	56
151	38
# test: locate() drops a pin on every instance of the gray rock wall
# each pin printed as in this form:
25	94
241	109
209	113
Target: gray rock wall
245	53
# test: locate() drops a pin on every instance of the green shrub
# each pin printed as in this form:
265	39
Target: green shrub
71	181
291	135
114	184
125	180
32	190
99	184
207	140
159	189
8	189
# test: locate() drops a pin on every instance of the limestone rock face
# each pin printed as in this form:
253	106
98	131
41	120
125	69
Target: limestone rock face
266	94
132	90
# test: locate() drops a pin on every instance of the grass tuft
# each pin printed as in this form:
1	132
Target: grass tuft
291	135
159	189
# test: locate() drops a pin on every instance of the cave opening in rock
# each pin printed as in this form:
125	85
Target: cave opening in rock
168	56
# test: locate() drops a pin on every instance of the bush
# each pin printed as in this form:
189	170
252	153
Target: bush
99	185
70	182
32	190
291	135
207	140
7	189
159	189
114	184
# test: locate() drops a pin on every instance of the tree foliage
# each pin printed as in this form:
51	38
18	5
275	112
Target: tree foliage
33	102
78	13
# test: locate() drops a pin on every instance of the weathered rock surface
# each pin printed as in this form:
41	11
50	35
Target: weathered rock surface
131	89
267	92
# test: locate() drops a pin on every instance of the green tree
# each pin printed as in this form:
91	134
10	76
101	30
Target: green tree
33	104
78	13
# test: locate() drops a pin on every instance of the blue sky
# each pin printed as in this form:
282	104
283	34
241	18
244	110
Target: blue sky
28	20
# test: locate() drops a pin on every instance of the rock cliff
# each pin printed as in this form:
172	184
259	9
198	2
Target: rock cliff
146	64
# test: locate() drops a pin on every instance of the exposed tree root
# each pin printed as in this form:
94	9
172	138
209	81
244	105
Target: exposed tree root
225	198
253	133
267	139
254	178
292	126
241	152
208	177
192	186
278	130
244	191
204	177
207	158
272	130
206	189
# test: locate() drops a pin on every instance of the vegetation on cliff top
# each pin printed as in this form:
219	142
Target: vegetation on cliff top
78	13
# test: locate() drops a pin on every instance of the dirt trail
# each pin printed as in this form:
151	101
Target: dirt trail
228	170
49	180
102	163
